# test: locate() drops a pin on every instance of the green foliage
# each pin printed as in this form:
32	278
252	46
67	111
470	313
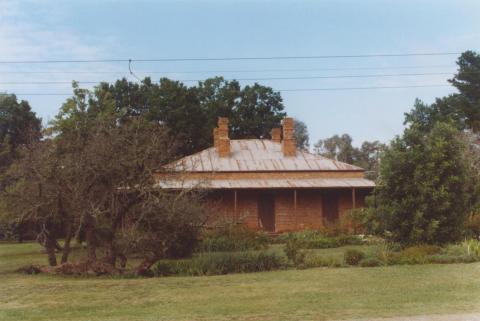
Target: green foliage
19	125
314	239
421	250
232	237
462	110
312	260
426	188
220	263
371	262
191	113
294	251
472	247
472	226
341	148
418	254
353	256
301	134
467	80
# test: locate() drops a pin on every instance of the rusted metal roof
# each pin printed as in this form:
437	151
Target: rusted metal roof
257	155
266	183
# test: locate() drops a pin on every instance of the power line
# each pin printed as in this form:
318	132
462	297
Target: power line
360	88
283	90
230	58
242	79
221	71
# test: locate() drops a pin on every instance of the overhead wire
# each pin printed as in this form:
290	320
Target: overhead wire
220	71
285	90
230	58
240	79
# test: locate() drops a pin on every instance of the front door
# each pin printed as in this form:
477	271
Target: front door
330	206
266	211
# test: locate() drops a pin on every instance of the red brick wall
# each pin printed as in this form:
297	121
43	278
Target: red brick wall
306	215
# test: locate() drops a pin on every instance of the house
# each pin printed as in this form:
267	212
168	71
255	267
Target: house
269	184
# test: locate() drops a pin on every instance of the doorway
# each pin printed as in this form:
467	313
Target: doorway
330	206
266	211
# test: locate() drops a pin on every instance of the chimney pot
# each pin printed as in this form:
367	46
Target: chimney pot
276	134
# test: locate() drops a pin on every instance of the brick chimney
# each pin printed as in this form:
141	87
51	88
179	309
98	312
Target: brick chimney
276	135
289	147
220	137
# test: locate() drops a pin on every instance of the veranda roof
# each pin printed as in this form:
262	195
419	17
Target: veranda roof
266	183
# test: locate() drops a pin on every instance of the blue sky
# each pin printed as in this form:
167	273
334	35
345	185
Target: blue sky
40	30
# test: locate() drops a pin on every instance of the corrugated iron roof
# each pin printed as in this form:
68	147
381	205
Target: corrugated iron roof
257	155
267	183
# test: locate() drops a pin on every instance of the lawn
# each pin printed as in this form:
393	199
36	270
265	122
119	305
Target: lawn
313	294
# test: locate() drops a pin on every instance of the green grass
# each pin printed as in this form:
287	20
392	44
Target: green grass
313	294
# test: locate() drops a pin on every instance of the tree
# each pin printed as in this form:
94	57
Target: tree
301	134
461	109
18	126
191	113
368	158
94	174
34	196
426	187
340	148
258	110
445	109
467	81
336	147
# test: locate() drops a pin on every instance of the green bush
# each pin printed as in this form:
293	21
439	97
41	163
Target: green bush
312	239
448	259
371	262
353	257
349	240
220	263
312	260
294	252
232	238
472	247
421	250
417	254
472	226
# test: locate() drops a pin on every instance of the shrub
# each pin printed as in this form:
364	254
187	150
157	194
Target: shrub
312	239
371	262
421	250
472	226
294	253
417	254
313	260
472	247
426	164
353	257
448	259
220	263
349	240
232	237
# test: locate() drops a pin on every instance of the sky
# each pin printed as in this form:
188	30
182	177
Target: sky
86	30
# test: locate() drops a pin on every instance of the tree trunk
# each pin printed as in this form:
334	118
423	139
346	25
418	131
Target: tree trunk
110	255
66	246
91	243
50	248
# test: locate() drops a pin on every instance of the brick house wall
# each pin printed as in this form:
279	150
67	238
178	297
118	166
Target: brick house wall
308	213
